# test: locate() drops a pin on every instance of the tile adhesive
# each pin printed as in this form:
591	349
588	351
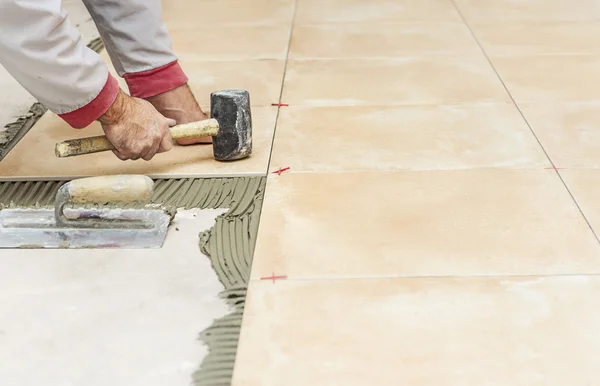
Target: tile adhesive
229	245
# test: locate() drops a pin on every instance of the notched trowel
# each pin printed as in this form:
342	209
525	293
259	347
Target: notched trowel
66	228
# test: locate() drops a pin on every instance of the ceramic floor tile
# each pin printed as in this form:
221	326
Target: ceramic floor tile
584	184
526	38
326	139
551	77
375	10
227	12
421	223
410	80
388	40
230	42
23	162
262	79
451	332
568	131
529	10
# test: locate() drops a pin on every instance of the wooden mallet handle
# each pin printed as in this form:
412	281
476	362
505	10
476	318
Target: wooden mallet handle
81	146
111	189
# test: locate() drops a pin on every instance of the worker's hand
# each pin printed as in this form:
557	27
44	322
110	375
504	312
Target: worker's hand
181	105
136	129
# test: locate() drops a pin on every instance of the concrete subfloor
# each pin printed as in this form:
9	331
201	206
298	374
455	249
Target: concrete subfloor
109	317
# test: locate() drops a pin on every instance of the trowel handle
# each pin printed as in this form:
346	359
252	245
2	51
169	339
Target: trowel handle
107	189
81	146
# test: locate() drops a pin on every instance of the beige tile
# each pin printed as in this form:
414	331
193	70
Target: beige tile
375	10
550	78
523	38
408	137
230	42
568	131
262	79
584	184
451	332
388	40
33	157
410	80
529	10
227	12
421	223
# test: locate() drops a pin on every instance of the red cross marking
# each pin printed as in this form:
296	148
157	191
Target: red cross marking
554	168
281	170
279	104
273	277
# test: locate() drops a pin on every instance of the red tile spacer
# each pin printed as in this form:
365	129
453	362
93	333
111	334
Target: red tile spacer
273	277
281	170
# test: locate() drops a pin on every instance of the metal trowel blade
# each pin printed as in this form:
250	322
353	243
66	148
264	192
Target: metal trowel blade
125	229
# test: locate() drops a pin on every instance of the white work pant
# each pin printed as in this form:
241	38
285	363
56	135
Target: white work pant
46	55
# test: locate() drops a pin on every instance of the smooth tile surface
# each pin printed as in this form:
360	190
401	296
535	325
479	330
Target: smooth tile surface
585	186
421	224
230	42
452	332
226	12
528	10
388	40
568	131
539	38
375	10
328	139
33	157
409	80
262	79
549	78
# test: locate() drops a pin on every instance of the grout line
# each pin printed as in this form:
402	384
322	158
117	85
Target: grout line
285	66
525	119
408	104
391	171
429	277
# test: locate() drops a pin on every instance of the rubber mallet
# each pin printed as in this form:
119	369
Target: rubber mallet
230	126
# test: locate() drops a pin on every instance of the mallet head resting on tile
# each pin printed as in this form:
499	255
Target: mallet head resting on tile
230	126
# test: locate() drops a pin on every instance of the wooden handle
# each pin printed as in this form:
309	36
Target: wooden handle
81	146
117	188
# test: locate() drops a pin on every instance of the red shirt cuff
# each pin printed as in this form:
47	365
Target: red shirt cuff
146	84
84	116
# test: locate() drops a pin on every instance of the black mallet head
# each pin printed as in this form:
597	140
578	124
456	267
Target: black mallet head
231	109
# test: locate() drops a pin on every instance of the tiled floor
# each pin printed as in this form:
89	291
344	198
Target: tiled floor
438	224
425	235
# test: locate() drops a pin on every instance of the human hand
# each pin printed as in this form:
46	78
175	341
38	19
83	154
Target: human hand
136	129
181	105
